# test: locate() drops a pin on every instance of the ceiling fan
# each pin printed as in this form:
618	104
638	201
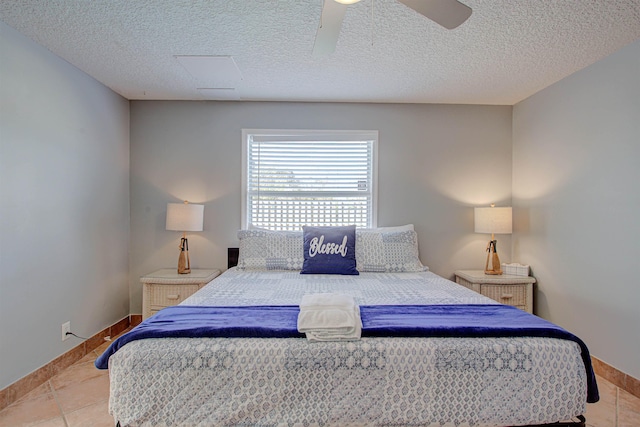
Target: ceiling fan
448	13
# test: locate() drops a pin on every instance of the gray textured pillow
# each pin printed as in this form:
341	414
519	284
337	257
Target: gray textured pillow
383	252
270	250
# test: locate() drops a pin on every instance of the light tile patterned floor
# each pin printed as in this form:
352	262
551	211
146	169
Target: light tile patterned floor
79	396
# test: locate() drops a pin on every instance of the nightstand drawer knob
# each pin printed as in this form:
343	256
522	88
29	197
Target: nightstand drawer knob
507	296
173	297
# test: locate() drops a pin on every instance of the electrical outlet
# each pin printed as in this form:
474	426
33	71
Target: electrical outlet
66	327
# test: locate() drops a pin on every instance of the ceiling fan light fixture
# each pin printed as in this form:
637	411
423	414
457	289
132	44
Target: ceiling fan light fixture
347	1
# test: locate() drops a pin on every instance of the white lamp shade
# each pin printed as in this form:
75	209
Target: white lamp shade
184	217
492	220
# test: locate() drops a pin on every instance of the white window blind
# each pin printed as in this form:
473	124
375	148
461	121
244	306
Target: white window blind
296	178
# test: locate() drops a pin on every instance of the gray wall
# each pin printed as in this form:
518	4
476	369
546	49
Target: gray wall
435	163
64	205
576	197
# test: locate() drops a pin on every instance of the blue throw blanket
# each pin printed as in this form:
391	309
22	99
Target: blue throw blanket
377	321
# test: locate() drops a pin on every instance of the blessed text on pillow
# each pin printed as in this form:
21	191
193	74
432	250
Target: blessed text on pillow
329	250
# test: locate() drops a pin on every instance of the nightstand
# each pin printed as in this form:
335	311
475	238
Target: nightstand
164	288
506	289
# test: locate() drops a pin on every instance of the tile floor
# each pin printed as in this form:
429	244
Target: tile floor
79	396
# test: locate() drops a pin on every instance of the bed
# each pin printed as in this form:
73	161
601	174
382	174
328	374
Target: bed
377	380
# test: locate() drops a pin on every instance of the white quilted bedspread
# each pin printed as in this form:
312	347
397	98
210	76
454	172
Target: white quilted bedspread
374	381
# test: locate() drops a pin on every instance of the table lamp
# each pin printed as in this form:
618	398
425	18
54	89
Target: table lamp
492	221
184	217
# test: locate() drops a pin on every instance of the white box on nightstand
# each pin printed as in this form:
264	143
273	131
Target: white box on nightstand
515	269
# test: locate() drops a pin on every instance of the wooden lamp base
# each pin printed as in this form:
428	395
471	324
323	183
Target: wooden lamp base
495	261
184	264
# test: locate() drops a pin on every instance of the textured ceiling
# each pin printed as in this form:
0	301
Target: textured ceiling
386	52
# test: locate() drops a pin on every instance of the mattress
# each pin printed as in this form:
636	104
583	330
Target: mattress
374	381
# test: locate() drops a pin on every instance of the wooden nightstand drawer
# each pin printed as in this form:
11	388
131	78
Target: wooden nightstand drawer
164	288
161	296
506	294
506	289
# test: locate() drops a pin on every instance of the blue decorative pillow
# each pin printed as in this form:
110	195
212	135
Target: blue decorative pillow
329	250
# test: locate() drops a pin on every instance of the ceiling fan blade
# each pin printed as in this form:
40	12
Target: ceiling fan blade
448	13
329	29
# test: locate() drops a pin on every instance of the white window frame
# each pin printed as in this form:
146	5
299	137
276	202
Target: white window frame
311	135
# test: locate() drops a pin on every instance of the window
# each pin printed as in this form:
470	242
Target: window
300	177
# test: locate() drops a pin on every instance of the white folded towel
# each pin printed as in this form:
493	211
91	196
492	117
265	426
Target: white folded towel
327	300
329	317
